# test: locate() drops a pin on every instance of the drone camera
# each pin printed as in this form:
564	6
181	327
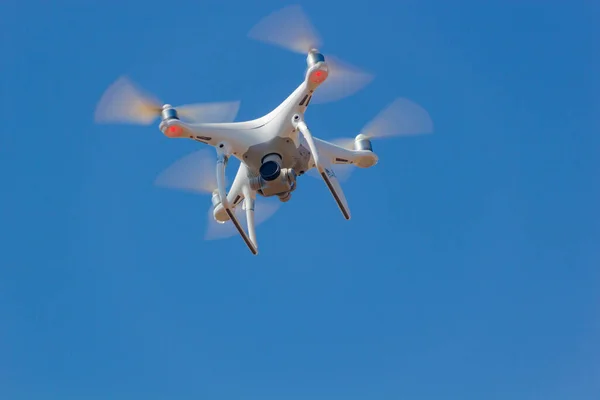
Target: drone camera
274	180
271	167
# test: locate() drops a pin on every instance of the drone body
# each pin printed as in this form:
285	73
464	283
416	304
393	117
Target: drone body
274	150
270	152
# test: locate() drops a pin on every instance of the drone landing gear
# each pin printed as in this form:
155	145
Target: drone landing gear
324	167
248	202
248	206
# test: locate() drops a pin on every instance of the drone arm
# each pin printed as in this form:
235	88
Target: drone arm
323	165
238	136
340	155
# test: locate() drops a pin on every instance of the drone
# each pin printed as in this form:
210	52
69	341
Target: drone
275	149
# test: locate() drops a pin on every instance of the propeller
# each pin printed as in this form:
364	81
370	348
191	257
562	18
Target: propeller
401	117
196	173
124	102
291	29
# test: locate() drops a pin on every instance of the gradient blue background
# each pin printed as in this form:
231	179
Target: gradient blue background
470	269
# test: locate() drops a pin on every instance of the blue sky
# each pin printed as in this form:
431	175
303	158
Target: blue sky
469	269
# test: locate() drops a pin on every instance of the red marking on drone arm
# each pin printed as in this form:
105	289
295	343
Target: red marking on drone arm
174	131
318	76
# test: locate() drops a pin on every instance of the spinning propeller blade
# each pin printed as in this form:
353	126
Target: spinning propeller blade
402	117
124	102
347	143
192	173
225	111
263	210
291	29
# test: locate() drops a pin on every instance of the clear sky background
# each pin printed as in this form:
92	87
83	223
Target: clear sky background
470	269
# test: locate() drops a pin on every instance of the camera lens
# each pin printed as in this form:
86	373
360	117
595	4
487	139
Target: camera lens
270	170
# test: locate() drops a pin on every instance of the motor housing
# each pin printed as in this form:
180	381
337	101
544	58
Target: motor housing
314	57
362	142
216	199
168	113
317	70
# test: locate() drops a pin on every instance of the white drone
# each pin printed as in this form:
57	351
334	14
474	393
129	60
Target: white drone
274	149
